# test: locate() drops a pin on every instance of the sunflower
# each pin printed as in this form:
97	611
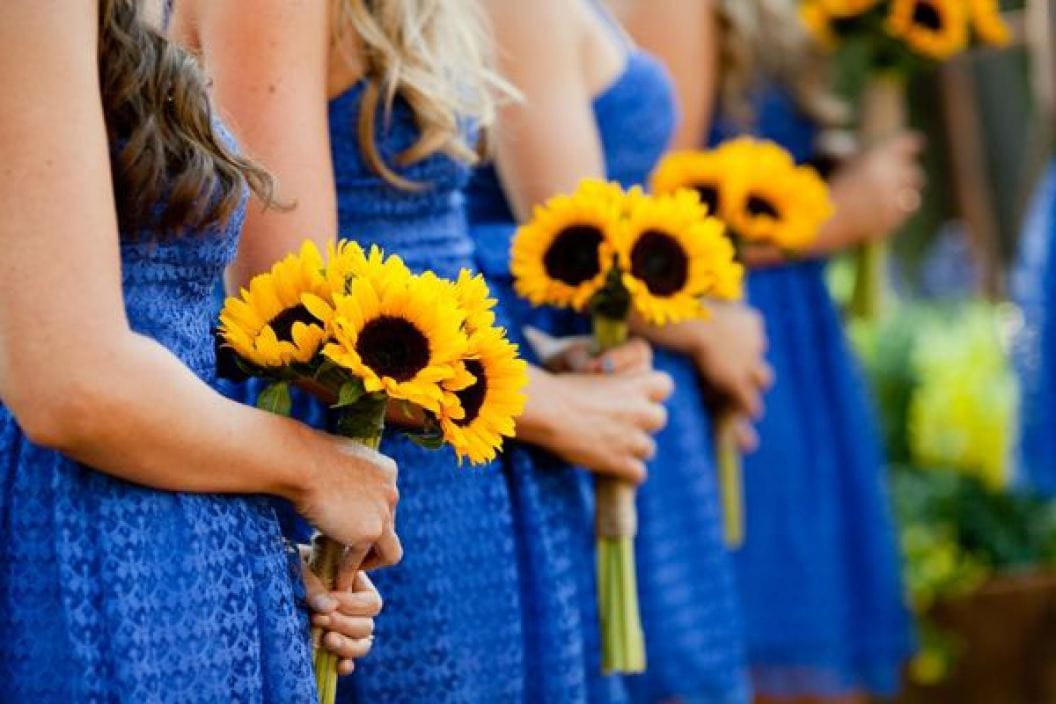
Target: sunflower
672	255
268	325
473	296
771	200
403	337
701	171
562	256
818	23
846	8
987	22
487	408
936	29
347	260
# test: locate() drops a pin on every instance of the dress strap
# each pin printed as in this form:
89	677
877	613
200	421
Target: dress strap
613	24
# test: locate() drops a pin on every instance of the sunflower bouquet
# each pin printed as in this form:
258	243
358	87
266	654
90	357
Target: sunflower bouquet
899	37
362	332
608	252
766	200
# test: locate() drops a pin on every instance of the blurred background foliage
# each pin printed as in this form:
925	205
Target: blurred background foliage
947	400
939	362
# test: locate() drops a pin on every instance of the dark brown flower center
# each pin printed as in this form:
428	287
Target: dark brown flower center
761	207
709	196
658	259
472	397
927	15
283	323
572	257
393	347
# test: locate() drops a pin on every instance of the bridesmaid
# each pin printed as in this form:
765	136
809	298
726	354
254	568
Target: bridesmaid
819	572
361	110
133	521
595	106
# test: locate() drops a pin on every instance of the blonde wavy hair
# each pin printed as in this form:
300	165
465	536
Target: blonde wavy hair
434	54
764	41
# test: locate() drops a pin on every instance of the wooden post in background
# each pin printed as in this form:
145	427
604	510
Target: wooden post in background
970	174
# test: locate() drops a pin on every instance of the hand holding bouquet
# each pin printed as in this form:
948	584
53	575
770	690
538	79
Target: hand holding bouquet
899	37
364	333
609	252
765	200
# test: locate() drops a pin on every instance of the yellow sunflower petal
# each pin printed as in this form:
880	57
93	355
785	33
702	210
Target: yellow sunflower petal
267	324
562	256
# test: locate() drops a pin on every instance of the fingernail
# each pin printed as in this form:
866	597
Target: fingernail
322	602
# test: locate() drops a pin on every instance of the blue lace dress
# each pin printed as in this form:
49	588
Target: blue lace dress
689	610
1035	349
819	573
451	628
110	591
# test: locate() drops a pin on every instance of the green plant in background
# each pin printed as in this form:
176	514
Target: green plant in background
962	412
947	400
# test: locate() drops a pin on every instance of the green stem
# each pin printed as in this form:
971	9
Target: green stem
870	295
622	642
608	332
731	480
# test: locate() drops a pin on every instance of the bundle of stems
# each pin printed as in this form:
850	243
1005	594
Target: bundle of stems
731	477
616	525
883	115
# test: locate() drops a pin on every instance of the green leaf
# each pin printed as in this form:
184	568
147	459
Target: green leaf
276	398
246	367
430	440
349	394
363	419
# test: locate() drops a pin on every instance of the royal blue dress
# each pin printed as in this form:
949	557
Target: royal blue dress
819	572
1034	289
110	591
689	610
451	627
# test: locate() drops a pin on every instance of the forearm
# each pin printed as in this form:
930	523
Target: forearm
839	233
681	338
144	417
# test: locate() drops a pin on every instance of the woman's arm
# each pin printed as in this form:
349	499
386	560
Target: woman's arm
71	371
548	142
268	64
874	194
682	34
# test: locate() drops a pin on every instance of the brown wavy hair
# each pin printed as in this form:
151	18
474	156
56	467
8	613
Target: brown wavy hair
764	41
164	146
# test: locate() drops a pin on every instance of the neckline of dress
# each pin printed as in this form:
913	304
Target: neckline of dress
355	87
632	57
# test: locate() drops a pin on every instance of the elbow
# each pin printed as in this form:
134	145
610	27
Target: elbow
61	416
